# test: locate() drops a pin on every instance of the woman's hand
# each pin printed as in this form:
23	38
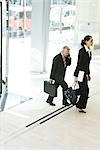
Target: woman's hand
88	77
76	79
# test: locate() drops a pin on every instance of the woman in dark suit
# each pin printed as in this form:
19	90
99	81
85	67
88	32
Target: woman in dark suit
59	65
83	63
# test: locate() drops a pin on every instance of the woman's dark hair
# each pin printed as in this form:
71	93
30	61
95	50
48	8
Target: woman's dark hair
86	38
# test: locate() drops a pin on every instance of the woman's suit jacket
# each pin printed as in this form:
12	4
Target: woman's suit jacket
58	70
83	62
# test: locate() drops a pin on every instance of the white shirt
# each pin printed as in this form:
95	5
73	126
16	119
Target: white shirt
64	60
87	49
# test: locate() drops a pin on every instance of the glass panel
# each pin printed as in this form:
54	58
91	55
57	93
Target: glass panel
0	47
19	45
4	16
62	26
3	54
20	19
62	21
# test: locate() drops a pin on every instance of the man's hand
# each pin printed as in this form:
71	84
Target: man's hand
51	81
68	56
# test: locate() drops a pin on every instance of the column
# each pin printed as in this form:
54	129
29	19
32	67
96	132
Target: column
40	34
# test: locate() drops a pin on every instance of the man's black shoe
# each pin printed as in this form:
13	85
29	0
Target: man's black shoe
51	103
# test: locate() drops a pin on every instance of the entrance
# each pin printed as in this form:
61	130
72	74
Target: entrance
15	46
3	54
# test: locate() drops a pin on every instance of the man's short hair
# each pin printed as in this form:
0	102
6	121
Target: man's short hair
66	47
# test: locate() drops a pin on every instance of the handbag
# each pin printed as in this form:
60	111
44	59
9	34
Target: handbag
70	95
50	88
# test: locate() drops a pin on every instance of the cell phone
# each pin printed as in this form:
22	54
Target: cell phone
69	55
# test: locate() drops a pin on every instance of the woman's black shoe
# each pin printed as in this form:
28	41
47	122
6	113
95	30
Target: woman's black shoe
82	111
66	104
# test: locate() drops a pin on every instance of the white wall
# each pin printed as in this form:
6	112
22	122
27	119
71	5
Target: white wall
88	19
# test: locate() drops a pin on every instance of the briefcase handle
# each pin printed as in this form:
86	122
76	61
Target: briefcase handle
75	85
51	81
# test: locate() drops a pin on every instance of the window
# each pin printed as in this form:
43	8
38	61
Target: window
28	14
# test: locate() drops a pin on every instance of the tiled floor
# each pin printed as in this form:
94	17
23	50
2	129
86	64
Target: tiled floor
70	130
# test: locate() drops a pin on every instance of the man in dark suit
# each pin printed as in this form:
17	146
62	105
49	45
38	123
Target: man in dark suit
59	65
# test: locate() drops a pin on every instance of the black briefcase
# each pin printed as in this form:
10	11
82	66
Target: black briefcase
50	89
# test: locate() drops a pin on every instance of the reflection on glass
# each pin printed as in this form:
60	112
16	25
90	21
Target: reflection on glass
64	15
62	20
20	19
20	22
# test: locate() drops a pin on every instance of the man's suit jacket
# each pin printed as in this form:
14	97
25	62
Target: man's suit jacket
58	70
83	62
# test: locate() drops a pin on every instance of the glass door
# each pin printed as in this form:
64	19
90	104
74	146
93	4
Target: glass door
0	47
3	54
15	29
19	52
